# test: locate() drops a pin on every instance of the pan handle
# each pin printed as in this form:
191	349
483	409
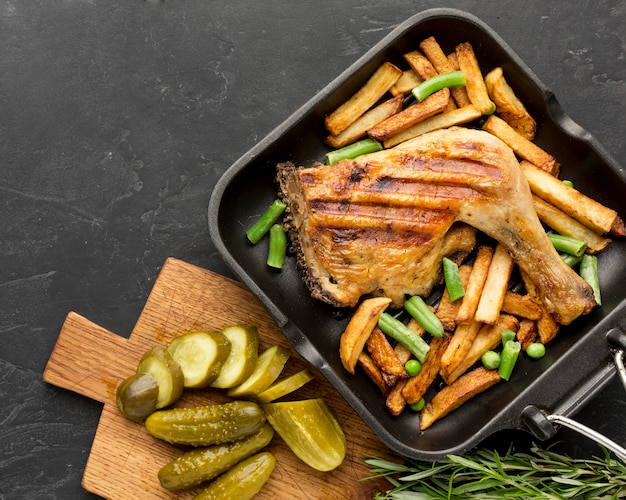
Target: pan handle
543	425
617	340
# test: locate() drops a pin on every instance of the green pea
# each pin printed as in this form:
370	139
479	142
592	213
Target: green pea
418	406
491	360
413	367
536	350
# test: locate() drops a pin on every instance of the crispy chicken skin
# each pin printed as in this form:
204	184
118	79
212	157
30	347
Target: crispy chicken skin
381	223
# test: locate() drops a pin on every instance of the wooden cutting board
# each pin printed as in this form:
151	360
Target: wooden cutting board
124	458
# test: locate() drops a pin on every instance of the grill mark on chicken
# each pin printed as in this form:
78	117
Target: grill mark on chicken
381	223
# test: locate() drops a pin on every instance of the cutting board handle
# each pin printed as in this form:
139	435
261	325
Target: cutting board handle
88	359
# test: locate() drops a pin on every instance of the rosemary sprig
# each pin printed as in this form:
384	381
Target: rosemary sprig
485	474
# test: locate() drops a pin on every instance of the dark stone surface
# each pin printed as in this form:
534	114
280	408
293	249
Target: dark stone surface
117	118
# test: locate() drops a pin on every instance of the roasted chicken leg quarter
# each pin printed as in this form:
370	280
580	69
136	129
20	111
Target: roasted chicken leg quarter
381	223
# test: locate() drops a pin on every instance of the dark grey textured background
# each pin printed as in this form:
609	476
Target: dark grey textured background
116	120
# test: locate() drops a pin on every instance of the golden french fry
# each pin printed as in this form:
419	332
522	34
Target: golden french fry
527	333
383	354
447	119
508	106
522	306
568	226
431	49
495	286
379	83
359	329
488	337
360	126
475	284
523	147
402	352
459	346
446	309
411	115
584	209
373	372
407	82
416	386
460	95
395	400
420	64
458	393
474	81
547	327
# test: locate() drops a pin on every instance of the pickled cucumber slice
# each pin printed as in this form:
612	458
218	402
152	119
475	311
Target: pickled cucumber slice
203	464
268	368
310	430
200	355
158	363
284	387
244	352
136	397
242	481
206	425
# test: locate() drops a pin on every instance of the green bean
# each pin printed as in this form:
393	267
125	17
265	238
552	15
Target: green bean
353	150
491	360
452	278
589	272
403	334
508	358
438	82
420	311
413	367
263	225
536	350
278	247
570	260
507	335
568	244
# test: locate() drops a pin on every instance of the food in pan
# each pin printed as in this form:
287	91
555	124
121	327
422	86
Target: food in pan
455	177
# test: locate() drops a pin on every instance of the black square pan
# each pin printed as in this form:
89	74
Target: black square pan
577	364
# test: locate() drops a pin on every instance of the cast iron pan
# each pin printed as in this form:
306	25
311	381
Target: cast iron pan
578	362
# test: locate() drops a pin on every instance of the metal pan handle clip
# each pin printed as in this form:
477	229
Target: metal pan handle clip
543	424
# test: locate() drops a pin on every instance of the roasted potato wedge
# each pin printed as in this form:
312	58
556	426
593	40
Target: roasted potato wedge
407	82
420	64
432	50
395	401
584	209
475	83
523	147
447	119
489	337
508	106
361	125
458	347
359	329
409	116
495	286
523	306
416	386
453	396
562	223
379	83
475	284
447	310
372	370
527	333
383	353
